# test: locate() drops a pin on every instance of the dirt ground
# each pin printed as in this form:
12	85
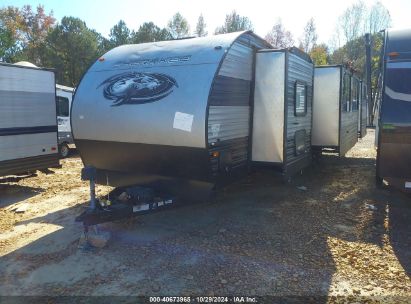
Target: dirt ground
339	236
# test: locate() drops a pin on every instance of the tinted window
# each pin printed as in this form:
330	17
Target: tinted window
62	106
398	77
396	106
300	99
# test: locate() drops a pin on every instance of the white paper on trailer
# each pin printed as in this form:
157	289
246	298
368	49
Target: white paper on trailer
183	121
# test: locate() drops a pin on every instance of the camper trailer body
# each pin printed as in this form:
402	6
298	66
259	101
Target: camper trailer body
168	114
335	109
28	126
282	115
394	119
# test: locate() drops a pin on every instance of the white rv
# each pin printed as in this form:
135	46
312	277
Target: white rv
28	126
64	96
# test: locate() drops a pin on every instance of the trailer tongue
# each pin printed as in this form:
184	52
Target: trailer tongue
121	203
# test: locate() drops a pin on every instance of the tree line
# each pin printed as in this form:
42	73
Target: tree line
70	46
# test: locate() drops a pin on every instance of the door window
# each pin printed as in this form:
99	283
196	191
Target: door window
300	99
62	106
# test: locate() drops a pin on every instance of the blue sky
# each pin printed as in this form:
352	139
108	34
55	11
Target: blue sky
102	15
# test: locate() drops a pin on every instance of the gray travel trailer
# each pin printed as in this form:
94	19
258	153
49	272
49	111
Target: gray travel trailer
363	111
175	116
64	98
282	116
28	126
394	117
335	109
172	115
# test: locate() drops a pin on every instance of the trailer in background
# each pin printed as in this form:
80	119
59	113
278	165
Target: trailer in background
64	97
394	117
282	116
28	126
335	109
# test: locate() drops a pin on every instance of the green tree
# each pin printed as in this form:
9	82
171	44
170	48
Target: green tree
377	44
319	54
149	32
11	25
178	26
201	27
119	34
71	48
104	44
352	25
7	42
353	54
24	31
234	23
37	26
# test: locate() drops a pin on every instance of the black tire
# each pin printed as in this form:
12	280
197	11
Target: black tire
64	150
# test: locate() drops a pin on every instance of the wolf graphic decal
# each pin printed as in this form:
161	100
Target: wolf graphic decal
137	88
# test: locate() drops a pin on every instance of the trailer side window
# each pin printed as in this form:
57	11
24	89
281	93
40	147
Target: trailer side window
397	92
62	106
300	99
346	107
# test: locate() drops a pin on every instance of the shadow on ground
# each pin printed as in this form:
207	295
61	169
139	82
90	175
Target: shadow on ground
398	207
11	194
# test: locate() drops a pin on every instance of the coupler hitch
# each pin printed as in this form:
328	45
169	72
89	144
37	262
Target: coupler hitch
121	203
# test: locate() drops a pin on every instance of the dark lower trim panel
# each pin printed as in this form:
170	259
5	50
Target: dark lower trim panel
24	165
143	160
398	183
289	169
297	165
394	160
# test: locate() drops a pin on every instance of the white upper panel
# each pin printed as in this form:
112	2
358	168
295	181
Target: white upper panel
27	97
268	120
15	78
326	106
190	66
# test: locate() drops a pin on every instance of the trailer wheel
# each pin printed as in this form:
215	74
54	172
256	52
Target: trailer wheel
64	150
